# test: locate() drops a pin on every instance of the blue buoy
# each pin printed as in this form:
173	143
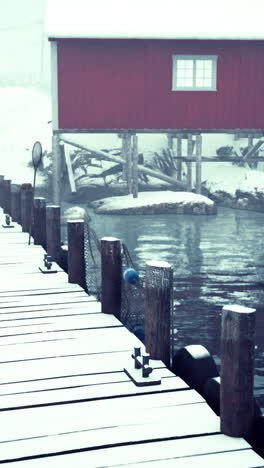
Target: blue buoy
130	275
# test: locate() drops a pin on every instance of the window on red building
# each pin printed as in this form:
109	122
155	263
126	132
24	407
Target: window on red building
194	72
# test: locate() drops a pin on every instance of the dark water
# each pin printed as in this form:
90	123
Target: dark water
217	260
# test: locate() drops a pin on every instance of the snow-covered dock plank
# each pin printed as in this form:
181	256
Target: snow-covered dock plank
64	394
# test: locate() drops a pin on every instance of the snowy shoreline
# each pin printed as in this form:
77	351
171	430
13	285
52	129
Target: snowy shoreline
165	202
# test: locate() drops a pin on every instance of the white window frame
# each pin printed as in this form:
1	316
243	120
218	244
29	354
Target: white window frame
175	59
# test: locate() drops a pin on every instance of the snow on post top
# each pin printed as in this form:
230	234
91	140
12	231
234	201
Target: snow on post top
145	19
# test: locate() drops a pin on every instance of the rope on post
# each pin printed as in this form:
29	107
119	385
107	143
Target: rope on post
158	309
111	276
237	370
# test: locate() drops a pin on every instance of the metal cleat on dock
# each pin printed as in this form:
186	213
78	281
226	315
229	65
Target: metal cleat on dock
8	222
141	373
48	268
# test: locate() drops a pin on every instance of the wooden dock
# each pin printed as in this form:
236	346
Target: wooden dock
65	398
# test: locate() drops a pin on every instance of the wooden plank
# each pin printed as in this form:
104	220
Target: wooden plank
66	366
87	380
91	308
52	336
241	459
88	392
163	450
46	299
95	340
76	323
37	292
53	429
21	315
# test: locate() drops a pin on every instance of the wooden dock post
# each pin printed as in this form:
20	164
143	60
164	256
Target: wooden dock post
7	196
198	163
15	203
135	166
53	232
237	370
189	163
76	261
39	222
26	193
158	305
2	192
111	276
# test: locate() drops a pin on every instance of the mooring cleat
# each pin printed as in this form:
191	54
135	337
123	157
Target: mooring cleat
141	372
8	224
47	265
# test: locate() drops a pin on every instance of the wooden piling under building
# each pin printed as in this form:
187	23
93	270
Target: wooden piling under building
65	399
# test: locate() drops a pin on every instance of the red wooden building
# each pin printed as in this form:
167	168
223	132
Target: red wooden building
112	70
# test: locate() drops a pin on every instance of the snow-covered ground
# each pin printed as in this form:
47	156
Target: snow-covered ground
156	202
228	178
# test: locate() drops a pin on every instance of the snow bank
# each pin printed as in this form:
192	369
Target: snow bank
229	178
156	203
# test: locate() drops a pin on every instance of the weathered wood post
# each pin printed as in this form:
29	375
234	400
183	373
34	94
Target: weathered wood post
39	222
111	276
158	309
76	261
26	193
53	232
2	192
237	370
198	163
128	163
57	156
135	166
7	196
179	155
189	163
15	203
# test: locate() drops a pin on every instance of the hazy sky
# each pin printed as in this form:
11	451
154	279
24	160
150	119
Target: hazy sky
24	50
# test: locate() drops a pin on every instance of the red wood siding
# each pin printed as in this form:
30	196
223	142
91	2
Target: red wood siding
115	84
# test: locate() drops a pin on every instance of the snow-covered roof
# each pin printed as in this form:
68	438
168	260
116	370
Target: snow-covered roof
155	19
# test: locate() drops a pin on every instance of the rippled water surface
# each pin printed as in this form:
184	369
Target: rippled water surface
217	260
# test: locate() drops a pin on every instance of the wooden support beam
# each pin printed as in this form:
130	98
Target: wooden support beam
128	159
158	305
53	232
56	151
76	261
135	166
198	163
111	276
237	370
189	163
65	155
179	154
39	222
